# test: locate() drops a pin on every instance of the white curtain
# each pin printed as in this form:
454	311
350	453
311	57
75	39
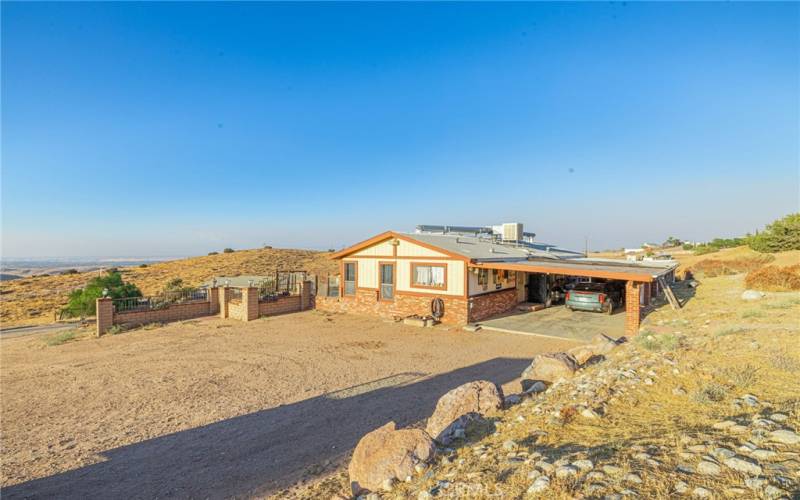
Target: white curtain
429	275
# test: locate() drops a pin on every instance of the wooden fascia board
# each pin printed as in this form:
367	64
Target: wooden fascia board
391	234
591	273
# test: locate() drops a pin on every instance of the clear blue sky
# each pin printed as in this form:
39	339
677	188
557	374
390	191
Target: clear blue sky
180	128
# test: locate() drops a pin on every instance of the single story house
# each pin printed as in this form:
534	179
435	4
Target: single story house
475	272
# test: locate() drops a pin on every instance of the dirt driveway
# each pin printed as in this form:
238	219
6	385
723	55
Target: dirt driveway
217	408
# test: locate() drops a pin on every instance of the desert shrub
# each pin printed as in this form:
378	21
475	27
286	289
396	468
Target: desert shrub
142	265
115	330
82	301
781	235
70	271
718	244
228	250
752	313
61	338
783	361
662	342
774	278
718	267
213	253
687	246
711	392
729	330
784	304
741	376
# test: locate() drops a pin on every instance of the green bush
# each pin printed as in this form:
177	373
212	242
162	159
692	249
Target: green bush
718	244
781	235
228	250
82	301
213	253
61	338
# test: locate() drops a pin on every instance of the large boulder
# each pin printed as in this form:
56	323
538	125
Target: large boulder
752	295
388	454
549	368
603	344
460	406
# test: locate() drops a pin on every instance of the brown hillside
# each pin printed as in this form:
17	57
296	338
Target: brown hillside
34	300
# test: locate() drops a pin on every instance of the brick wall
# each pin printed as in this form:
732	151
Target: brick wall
366	303
282	305
490	304
175	312
105	315
632	308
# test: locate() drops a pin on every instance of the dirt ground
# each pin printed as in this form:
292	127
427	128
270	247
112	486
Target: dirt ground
217	408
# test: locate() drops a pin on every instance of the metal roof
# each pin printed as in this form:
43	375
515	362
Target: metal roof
484	249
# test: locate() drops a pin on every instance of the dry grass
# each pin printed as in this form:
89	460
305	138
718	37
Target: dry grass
710	268
774	278
34	300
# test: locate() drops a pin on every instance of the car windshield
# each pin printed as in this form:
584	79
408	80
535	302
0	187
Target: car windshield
591	287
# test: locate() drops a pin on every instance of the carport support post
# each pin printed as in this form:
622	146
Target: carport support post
105	315
632	308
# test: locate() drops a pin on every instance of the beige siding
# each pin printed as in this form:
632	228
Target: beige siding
383	249
409	249
491	286
367	273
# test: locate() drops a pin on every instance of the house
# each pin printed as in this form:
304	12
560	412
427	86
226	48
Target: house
475	273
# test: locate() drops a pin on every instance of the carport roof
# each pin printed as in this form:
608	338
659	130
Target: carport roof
584	267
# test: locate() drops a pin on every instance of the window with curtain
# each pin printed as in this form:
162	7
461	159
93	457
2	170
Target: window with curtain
427	275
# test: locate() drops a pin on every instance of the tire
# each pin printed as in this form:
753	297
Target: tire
610	307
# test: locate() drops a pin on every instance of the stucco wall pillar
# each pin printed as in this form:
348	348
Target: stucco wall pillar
224	297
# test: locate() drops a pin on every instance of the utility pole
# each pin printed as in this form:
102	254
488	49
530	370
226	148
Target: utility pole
585	246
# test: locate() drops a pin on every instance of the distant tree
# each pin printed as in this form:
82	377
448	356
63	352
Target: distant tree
142	265
672	242
781	235
213	253
70	271
82	301
228	250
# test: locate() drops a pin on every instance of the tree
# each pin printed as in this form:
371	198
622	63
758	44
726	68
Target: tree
228	250
82	301
781	235
672	242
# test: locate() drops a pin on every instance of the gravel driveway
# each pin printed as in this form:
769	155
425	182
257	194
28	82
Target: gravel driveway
217	408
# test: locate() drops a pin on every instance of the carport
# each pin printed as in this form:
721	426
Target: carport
641	279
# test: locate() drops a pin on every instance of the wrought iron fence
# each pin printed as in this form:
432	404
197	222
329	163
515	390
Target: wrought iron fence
160	301
282	284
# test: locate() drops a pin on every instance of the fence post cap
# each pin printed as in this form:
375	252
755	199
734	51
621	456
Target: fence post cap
104	299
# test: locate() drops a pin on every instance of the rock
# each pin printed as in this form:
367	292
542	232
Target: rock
541	484
774	492
612	470
460	406
388	453
545	467
708	468
595	476
722	453
784	436
535	387
510	445
387	484
566	471
550	368
701	492
763	454
752	295
424	495
584	465
749	400
755	483
512	400
582	354
603	344
633	478
679	391
724	424
589	413
534	474
681	487
778	417
741	465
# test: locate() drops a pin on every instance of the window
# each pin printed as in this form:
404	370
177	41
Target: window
429	275
349	278
483	277
387	281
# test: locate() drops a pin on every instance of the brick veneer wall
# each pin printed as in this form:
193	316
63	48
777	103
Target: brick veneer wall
282	305
105	315
490	304
632	308
237	310
366	303
175	312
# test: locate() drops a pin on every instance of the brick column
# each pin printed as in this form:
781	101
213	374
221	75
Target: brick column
305	295
213	298
105	315
224	297
250	302
632	308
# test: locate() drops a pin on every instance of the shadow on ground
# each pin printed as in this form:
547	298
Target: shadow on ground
261	452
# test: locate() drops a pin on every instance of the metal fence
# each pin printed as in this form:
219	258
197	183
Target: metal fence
282	284
160	301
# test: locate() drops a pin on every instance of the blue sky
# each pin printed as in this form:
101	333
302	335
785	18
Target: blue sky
181	128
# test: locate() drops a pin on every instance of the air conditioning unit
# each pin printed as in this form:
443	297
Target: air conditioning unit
512	231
